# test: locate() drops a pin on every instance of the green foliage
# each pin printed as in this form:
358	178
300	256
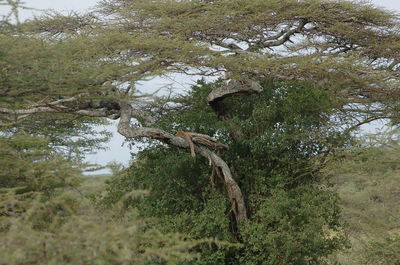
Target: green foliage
179	186
180	199
37	70
296	227
29	171
29	162
281	130
46	219
276	139
69	230
335	28
69	136
344	52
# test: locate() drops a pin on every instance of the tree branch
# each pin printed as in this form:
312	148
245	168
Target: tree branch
61	109
234	193
233	87
285	35
371	119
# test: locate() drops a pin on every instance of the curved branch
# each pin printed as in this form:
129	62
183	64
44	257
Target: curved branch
234	193
233	87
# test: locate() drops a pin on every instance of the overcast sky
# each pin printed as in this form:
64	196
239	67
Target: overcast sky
82	5
117	152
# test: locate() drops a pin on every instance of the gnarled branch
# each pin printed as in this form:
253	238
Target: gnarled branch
234	193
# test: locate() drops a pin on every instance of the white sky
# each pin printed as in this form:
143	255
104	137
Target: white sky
388	4
117	152
82	5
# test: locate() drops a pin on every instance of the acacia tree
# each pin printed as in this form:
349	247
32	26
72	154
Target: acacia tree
88	65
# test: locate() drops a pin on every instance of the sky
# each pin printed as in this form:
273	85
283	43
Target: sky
388	4
118	151
82	5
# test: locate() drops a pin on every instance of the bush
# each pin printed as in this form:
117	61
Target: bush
69	230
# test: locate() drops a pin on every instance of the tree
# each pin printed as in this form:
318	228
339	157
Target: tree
88	66
275	156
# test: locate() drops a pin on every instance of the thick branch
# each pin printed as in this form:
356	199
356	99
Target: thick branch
30	110
61	109
234	193
233	87
232	188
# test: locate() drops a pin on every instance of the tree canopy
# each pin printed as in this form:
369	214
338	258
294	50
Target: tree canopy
296	78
